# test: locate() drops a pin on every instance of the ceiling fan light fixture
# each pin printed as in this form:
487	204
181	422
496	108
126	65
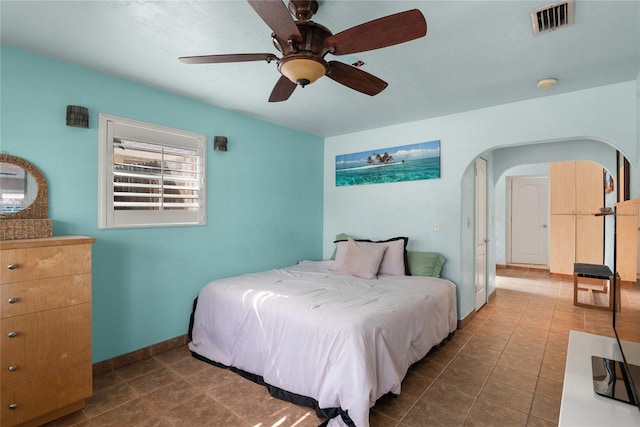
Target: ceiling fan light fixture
302	71
547	83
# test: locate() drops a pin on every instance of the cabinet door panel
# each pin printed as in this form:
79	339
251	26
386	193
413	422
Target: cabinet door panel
589	239
45	294
589	187
563	185
39	396
562	244
40	263
627	239
45	341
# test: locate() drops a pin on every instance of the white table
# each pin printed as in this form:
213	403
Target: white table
581	406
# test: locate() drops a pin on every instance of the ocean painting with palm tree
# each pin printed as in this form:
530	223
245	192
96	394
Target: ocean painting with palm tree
404	163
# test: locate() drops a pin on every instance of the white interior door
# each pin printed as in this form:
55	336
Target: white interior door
481	233
529	220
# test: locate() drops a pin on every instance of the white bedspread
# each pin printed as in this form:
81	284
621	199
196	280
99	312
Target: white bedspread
341	340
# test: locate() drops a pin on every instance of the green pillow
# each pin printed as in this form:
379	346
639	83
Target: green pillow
425	263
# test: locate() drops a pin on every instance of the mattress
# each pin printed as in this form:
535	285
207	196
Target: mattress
340	340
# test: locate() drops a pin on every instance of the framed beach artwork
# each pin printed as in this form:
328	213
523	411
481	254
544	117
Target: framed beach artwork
394	164
608	182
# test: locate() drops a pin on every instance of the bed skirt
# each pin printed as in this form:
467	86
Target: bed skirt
296	399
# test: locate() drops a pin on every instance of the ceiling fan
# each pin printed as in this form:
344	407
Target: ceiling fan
304	45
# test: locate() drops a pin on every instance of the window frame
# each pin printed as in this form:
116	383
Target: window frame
110	127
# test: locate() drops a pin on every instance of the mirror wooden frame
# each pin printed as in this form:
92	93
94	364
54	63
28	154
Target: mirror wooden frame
31	222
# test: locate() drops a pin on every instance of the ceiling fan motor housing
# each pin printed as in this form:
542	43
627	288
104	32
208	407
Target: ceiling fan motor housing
303	62
313	37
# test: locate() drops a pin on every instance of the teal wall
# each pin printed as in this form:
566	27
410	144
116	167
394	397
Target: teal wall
264	195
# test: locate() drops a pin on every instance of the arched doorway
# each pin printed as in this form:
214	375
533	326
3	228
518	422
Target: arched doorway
499	160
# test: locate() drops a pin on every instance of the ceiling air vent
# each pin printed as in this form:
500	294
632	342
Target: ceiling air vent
552	17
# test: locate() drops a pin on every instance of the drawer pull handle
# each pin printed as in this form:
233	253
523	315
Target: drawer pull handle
13	368
13	300
12	266
13	406
12	334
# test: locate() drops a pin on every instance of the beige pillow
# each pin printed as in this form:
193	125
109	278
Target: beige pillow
362	260
393	259
393	262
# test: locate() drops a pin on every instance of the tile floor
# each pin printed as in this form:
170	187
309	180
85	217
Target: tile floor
504	369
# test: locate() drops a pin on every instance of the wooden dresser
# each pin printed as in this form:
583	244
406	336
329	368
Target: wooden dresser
45	322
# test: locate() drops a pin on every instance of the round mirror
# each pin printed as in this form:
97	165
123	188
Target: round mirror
18	188
23	189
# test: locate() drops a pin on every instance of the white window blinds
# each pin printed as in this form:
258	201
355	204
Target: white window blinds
152	175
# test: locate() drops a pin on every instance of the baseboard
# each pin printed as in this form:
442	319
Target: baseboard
492	295
468	318
562	277
523	267
109	365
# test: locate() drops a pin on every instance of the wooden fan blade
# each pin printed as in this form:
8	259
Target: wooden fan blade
355	78
238	57
276	15
388	31
282	90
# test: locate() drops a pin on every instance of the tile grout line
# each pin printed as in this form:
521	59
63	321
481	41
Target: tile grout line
441	372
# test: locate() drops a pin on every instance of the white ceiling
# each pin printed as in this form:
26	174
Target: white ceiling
476	54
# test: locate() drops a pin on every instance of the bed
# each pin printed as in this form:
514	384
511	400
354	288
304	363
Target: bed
317	336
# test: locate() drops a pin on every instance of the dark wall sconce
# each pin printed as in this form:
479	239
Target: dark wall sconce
220	143
77	116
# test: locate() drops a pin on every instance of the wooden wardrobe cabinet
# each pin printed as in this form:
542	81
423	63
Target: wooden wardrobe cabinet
45	322
576	234
627	223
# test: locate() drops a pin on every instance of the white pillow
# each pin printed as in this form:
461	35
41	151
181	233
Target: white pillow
362	260
392	261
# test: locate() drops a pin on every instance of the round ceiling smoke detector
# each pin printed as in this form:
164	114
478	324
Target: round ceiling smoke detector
547	83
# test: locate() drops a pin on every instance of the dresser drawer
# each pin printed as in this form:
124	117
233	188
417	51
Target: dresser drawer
50	340
17	265
45	294
30	399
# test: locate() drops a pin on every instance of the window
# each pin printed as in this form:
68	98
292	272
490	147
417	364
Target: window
149	175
